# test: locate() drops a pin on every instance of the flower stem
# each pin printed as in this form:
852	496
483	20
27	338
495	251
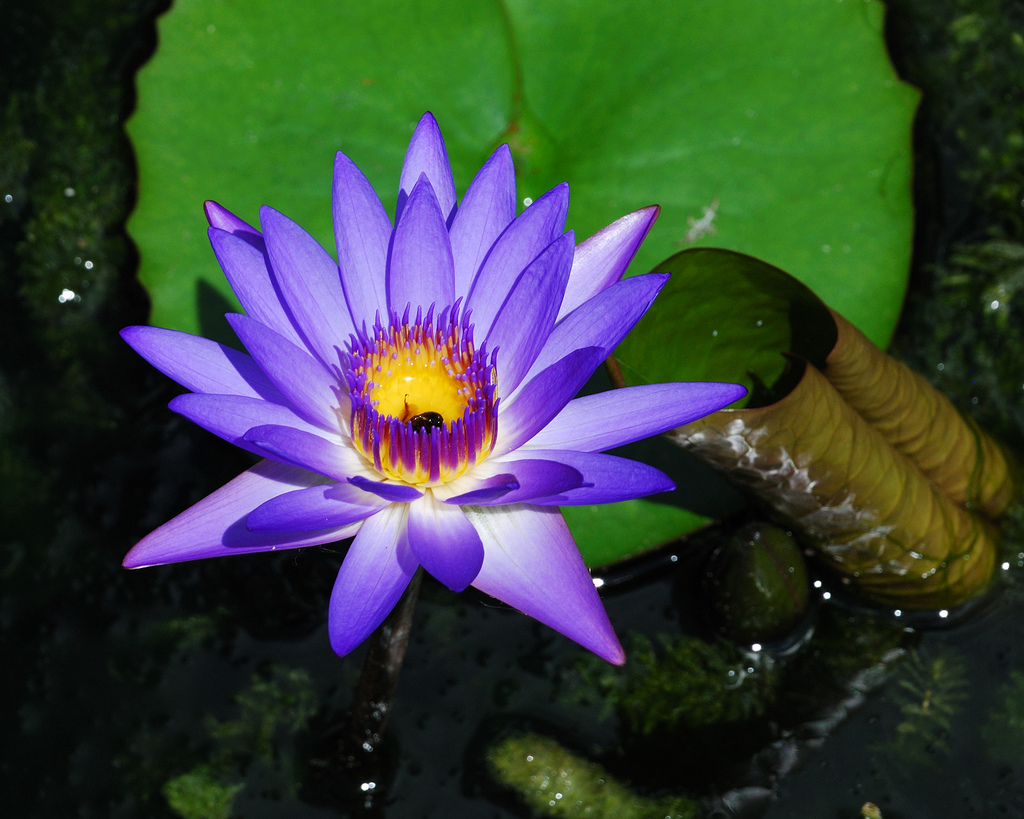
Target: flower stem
378	681
611	365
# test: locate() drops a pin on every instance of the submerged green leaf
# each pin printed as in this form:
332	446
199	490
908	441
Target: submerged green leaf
553	781
928	692
756	583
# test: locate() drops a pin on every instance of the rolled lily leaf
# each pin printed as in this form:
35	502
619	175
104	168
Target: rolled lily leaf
869	511
965	463
877	469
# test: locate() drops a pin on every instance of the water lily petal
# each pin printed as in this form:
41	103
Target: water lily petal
445	542
246	269
598	422
524	321
312	452
536	228
539	401
426	155
530	479
201	365
606	478
231	416
362	231
215	527
548	312
421	271
308	385
603	321
468	490
315	508
310	285
601	260
395	492
532	564
220	217
375	572
488	207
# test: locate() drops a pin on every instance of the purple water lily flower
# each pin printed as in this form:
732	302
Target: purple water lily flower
417	395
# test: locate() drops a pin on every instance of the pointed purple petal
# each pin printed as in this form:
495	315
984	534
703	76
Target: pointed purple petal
543	478
532	564
215	526
488	207
426	155
201	365
220	217
326	457
480	490
524	321
395	492
310	284
308	385
595	423
602	259
536	228
420	270
246	270
543	397
603	321
445	542
362	230
231	416
375	572
607	478
318	507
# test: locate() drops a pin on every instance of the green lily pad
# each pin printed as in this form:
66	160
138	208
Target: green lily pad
780	125
612	532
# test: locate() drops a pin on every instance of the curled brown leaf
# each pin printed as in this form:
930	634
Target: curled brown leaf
966	464
871	513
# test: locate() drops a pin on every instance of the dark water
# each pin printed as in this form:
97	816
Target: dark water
116	685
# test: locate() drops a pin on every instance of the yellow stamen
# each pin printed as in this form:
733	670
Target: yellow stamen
413	376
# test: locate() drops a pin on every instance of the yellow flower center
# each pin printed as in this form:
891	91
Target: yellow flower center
423	399
413	376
